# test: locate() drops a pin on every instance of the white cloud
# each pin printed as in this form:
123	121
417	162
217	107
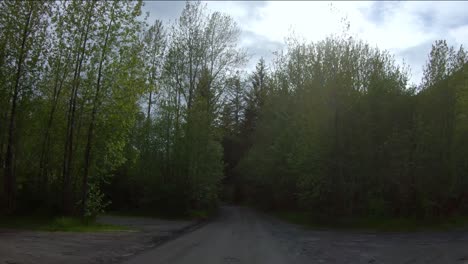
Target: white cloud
406	29
459	34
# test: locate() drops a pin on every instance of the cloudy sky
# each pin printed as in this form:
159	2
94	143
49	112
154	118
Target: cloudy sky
406	29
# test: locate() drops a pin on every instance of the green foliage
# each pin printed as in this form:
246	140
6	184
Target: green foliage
77	93
97	105
178	165
341	132
96	202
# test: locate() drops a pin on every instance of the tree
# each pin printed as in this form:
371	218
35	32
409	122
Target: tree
118	23
81	49
255	99
179	164
306	151
26	22
154	40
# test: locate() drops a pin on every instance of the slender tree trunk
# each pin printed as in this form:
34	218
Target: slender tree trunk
44	158
177	132
2	146
68	154
65	173
4	114
168	138
10	180
148	115
147	140
4	119
89	143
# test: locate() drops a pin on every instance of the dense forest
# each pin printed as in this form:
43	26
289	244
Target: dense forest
100	108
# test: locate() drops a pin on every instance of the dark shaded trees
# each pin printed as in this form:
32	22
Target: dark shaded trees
90	95
179	166
342	133
23	34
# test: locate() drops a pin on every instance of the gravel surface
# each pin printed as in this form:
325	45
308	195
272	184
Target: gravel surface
242	235
238	235
372	247
28	247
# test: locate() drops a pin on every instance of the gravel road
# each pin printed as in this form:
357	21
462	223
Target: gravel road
238	235
241	235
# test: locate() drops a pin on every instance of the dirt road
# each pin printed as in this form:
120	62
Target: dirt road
242	235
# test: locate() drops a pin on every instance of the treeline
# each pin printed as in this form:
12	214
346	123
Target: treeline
70	83
100	108
174	154
340	132
90	90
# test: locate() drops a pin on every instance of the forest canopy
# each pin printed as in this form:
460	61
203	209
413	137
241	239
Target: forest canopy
101	108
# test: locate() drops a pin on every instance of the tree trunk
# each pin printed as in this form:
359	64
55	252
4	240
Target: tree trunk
89	143
148	115
68	153
10	179
44	158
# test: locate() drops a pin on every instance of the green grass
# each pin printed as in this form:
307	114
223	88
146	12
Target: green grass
202	214
374	223
147	214
190	215
64	224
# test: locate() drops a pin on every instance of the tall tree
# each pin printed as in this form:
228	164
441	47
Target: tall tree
82	31
25	22
255	99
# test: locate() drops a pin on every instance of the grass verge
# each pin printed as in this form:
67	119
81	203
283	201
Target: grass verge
63	224
309	220
193	215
